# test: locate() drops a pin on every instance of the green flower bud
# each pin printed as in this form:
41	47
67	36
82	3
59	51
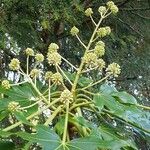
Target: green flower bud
110	3
5	84
90	60
35	73
14	64
29	52
102	9
48	75
57	78
74	31
39	58
99	50
100	64
101	43
114	9
113	69
88	12
53	47
13	106
66	95
54	58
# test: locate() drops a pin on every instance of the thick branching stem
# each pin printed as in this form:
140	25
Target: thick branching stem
66	123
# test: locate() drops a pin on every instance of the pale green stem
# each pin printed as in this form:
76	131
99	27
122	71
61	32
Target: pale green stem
93	20
97	82
69	63
35	80
49	120
83	95
19	83
80	105
31	116
86	91
66	123
23	108
144	107
49	90
85	71
27	65
80	41
65	75
38	92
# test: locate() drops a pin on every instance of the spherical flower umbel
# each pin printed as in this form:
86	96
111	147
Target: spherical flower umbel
39	58
14	64
54	58
53	47
100	64
66	95
48	75
99	50
102	9
103	31
110	3
5	84
13	106
35	73
114	9
90	60
57	78
29	52
113	69
88	12
101	43
74	31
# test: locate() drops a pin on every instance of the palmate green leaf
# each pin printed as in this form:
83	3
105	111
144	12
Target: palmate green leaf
46	137
131	114
120	137
7	145
124	97
21	117
107	89
95	141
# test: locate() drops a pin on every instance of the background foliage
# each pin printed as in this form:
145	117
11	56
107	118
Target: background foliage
35	24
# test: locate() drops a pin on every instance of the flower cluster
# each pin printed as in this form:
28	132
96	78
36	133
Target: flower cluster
57	78
103	31
102	10
14	64
53	47
90	60
13	106
48	75
39	58
5	84
66	95
114	9
113	69
53	57
88	12
29	52
35	73
74	31
100	64
99	48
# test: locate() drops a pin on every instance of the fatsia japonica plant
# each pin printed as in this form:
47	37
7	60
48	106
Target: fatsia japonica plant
69	110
